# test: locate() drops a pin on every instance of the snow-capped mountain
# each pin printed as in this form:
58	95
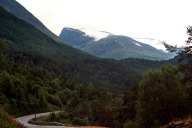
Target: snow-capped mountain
97	35
107	45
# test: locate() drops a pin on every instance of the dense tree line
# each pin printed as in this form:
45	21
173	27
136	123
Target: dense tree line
104	74
143	65
162	97
34	78
157	99
26	90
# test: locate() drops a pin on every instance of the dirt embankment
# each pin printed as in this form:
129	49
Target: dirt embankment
185	123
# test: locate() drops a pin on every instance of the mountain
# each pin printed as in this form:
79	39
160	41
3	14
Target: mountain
112	46
76	38
30	47
18	10
25	37
120	47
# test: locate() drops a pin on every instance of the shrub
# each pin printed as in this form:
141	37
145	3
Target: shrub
129	124
79	121
52	116
63	115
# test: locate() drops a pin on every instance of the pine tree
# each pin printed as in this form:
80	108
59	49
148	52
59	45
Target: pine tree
185	53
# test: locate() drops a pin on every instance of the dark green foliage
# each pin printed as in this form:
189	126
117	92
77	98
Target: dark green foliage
129	124
6	121
3	61
185	54
52	116
79	121
28	90
161	97
126	109
21	89
143	65
102	73
63	115
32	48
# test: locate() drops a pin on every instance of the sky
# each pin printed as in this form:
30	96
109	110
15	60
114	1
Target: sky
165	20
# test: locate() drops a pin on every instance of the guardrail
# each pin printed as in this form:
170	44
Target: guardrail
45	123
31	121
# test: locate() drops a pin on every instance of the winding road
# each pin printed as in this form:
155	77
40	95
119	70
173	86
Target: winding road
24	120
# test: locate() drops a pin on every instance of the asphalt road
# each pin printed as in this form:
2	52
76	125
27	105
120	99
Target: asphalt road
24	120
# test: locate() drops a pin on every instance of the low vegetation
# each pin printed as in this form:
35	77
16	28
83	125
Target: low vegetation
7	121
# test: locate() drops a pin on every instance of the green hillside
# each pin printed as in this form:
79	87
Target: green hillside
25	37
30	47
7	122
25	90
18	10
142	65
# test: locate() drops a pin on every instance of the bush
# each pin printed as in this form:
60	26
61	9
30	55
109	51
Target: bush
80	122
52	116
156	124
63	115
55	100
129	124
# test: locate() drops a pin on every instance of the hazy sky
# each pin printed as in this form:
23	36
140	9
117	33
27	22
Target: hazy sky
164	20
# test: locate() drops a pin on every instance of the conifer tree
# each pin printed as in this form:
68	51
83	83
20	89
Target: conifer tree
185	53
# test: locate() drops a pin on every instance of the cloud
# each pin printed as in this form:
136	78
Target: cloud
160	19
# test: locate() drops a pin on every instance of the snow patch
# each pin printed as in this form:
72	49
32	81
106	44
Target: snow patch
138	44
95	33
154	43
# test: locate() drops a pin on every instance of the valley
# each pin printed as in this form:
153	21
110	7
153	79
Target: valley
113	81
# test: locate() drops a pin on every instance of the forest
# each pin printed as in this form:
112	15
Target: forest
90	90
161	96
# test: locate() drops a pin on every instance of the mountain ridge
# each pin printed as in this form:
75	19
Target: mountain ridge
21	12
113	46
